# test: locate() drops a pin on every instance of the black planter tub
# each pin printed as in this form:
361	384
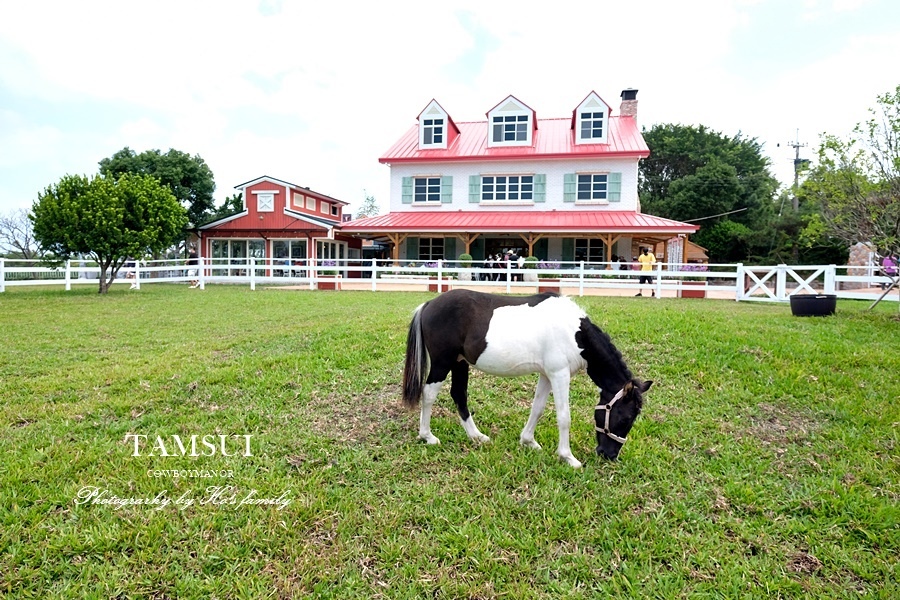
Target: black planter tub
813	305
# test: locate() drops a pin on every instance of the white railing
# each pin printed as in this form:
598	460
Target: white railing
735	281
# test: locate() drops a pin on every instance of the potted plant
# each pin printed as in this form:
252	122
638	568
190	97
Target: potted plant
531	263
465	262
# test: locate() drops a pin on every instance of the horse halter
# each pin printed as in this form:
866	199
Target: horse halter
608	408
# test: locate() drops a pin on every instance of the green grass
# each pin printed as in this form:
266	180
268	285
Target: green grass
765	463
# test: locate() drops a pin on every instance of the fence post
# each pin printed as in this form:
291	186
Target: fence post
137	274
252	261
313	273
580	279
508	276
201	274
658	284
440	265
2	275
374	273
739	283
830	272
781	282
68	275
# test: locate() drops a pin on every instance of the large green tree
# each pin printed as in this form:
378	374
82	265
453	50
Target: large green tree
188	177
369	208
722	183
855	184
108	218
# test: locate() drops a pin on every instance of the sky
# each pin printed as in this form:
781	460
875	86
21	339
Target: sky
314	93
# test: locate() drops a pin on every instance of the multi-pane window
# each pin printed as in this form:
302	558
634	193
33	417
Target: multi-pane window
433	131
510	128
592	186
427	189
507	187
589	250
431	249
591	125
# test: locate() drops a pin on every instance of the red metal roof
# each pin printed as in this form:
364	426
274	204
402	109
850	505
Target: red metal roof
553	138
594	221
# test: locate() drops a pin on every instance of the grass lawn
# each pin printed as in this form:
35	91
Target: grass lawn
766	462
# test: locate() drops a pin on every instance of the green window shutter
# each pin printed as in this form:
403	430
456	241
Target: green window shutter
568	249
406	191
447	189
412	248
614	187
540	188
474	189
450	248
569	188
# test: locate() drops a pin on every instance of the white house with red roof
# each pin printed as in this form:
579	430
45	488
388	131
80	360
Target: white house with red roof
558	189
282	221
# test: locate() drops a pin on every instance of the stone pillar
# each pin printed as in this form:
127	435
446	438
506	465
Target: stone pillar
860	259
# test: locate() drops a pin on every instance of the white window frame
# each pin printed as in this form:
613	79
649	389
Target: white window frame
434	132
432	186
493	186
591	119
262	196
324	208
596	195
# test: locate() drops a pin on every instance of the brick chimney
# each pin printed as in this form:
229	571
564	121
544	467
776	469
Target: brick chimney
628	108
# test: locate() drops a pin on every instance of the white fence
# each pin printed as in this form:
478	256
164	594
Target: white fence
733	281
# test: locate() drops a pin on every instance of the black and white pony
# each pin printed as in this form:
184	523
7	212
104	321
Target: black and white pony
506	335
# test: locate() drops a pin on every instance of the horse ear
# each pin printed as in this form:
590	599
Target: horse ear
628	388
646	386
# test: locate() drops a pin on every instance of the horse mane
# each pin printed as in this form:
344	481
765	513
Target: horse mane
604	361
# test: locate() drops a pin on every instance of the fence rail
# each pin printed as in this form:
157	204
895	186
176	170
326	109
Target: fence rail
733	281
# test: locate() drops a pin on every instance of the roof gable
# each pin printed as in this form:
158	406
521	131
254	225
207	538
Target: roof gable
436	128
590	120
512	123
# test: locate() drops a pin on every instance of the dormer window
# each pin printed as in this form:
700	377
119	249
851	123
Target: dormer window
510	123
432	132
510	128
265	200
592	126
436	128
590	120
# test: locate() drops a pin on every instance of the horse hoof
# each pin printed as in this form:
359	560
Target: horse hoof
430	439
481	439
571	461
530	444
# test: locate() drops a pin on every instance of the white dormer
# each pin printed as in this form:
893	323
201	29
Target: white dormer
436	128
511	123
590	120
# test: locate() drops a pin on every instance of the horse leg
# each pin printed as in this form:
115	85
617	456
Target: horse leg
541	392
459	391
560	384
429	395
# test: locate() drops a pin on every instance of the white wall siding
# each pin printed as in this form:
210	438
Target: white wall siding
553	169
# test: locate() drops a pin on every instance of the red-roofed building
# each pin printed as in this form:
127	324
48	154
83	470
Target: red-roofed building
559	189
282	221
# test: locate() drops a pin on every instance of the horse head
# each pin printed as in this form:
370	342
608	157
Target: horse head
615	415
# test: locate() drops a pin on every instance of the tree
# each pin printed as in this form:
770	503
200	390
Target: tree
17	235
369	207
189	178
696	174
856	183
231	206
108	218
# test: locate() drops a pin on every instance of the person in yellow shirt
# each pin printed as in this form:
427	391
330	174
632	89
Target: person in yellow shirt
647	260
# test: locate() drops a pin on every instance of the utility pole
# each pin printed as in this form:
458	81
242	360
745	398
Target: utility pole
798	163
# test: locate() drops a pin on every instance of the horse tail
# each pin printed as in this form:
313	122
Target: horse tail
414	370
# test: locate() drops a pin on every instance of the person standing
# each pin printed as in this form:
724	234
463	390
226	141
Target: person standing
192	269
647	260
